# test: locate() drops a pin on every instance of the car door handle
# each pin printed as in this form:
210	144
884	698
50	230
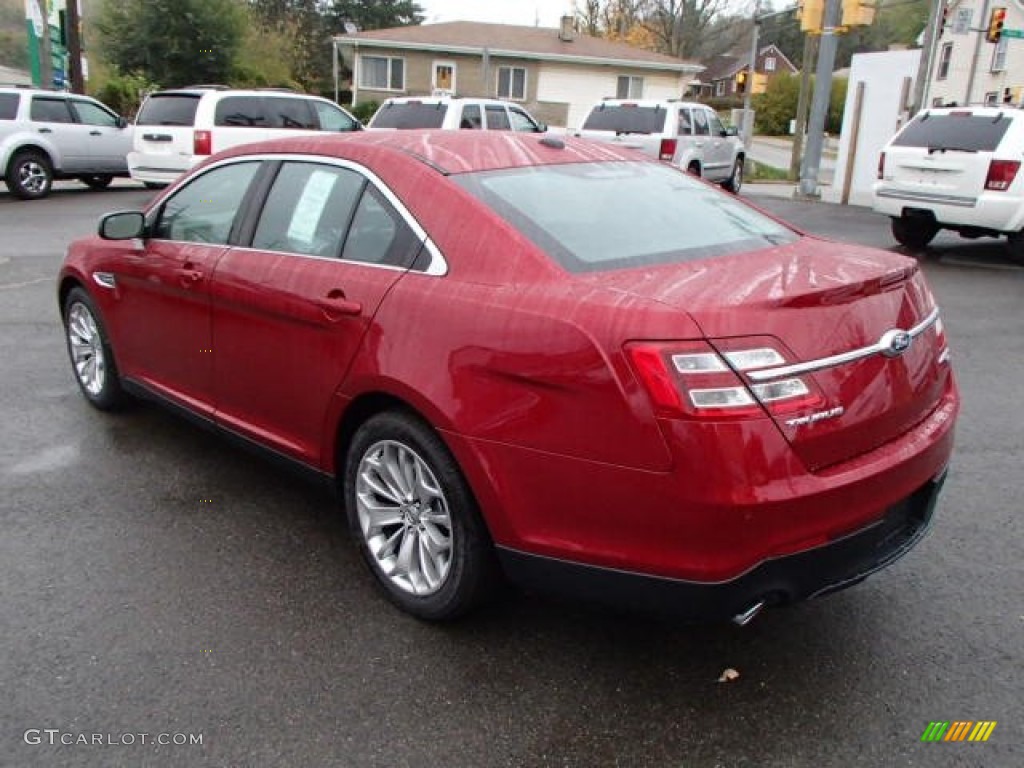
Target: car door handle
189	277
46	130
698	143
336	303
95	133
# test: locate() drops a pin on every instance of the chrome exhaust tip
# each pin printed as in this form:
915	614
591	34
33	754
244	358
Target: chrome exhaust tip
742	619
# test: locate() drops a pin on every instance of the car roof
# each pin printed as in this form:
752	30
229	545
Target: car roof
981	111
448	152
648	103
443	100
201	91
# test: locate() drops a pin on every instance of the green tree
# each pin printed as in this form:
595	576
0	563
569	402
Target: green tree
173	42
774	108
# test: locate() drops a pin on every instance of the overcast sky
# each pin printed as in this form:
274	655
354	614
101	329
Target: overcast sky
524	12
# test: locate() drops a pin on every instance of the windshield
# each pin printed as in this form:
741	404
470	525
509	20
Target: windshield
601	216
168	109
410	114
955	130
625	118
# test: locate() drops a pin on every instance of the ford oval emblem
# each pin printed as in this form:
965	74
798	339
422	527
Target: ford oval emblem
895	342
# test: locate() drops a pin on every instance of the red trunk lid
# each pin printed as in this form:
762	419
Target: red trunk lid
817	300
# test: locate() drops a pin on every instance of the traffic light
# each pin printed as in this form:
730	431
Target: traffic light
811	13
741	81
945	19
995	24
759	83
857	13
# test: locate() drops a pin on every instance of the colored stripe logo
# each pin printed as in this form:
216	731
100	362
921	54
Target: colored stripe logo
958	730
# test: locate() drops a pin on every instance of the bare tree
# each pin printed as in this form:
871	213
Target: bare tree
679	26
588	16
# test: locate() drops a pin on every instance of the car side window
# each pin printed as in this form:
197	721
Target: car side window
332	118
700	123
717	129
245	111
521	121
379	235
685	123
49	110
289	113
205	209
471	118
308	209
8	106
497	118
91	114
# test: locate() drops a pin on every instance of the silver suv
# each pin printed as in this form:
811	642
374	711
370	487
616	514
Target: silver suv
47	135
454	113
686	134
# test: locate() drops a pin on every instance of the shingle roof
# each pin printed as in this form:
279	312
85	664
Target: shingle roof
505	40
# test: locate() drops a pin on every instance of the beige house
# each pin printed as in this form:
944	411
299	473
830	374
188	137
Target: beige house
555	74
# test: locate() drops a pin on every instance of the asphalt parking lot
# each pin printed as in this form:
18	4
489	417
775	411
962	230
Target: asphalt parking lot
158	581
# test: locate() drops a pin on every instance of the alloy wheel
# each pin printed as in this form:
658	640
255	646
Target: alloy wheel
86	346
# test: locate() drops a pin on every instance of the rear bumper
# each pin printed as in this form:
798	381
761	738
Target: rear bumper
995	211
159	169
818	571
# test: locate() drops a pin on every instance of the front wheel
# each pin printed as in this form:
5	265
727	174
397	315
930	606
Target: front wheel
29	175
735	180
96	180
913	233
91	356
416	522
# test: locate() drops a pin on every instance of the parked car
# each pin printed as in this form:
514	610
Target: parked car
958	169
685	134
463	332
452	113
180	128
47	135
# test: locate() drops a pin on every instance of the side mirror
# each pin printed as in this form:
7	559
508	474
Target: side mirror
123	225
732	130
121	122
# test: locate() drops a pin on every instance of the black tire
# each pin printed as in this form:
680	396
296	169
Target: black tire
914	234
463	566
90	353
29	175
97	180
154	185
735	180
1015	247
693	169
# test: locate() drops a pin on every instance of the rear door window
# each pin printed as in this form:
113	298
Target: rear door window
410	114
625	118
701	127
168	109
46	110
497	119
379	235
290	113
956	130
8	106
471	118
242	111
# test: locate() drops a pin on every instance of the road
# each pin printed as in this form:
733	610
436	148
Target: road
776	153
157	580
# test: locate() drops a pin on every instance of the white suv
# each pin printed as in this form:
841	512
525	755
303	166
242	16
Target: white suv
955	168
177	129
454	113
47	135
686	134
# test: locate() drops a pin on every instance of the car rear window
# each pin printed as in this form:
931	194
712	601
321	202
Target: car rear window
625	119
601	216
168	109
410	114
955	130
8	106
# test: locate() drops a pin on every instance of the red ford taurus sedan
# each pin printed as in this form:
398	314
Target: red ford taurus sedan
536	358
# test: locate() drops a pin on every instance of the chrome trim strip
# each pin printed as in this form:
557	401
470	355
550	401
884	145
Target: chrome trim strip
104	279
928	197
878	348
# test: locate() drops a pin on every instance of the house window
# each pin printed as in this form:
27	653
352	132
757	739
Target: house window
999	55
937	101
629	87
512	83
720	88
944	57
381	73
991	98
444	78
769	64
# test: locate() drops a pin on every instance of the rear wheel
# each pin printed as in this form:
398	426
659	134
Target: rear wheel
693	169
913	233
735	180
97	180
91	356
1015	247
415	519
29	175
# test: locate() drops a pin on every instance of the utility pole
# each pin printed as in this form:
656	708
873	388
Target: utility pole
810	47
73	25
974	58
748	118
45	56
924	66
819	105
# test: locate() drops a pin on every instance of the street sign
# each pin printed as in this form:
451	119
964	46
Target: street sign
1018	33
962	21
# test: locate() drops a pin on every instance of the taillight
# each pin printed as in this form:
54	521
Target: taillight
696	380
1001	174
881	164
202	143
667	150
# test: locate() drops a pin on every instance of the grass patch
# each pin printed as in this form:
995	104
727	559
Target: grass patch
761	172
